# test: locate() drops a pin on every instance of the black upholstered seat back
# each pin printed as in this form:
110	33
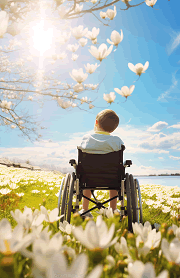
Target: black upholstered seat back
100	170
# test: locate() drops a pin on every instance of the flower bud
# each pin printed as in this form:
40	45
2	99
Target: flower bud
164	225
170	235
125	232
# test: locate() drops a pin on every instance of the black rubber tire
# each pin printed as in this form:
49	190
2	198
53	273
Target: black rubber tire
60	199
71	192
139	200
65	197
129	212
133	198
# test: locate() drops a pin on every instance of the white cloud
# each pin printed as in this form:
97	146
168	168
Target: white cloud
174	157
157	126
161	157
165	95
174	43
175	126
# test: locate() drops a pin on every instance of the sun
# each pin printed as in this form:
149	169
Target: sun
42	38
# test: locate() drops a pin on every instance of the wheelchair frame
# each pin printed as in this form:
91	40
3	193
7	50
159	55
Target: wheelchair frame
72	184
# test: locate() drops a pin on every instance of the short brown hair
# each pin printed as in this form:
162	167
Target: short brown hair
108	120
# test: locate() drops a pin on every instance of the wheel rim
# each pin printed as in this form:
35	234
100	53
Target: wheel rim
60	199
65	197
128	193
140	202
133	198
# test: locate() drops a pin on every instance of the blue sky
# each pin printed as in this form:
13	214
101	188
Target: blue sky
149	119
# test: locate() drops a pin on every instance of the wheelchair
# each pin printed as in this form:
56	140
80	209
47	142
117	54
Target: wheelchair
100	172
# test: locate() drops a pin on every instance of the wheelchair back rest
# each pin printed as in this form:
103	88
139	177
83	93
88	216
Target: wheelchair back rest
111	163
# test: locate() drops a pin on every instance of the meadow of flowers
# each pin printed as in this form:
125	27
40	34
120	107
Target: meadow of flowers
31	244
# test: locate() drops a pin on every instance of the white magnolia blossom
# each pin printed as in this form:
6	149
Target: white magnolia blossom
6	105
12	242
116	38
62	11
111	13
73	47
171	250
125	91
94	41
102	52
140	270
30	98
78	75
15	28
92	35
91	106
3	4
91	68
95	235
64	104
74	57
13	126
138	68
91	86
83	41
78	88
78	8
150	3
79	32
62	56
84	99
59	267
94	1
103	15
109	97
4	19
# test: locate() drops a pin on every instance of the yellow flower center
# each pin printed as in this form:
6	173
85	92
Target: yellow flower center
8	250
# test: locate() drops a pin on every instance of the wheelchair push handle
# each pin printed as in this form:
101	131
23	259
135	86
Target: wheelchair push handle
127	163
73	163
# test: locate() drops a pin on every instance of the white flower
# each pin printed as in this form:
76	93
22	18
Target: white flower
74	57
102	52
12	242
20	194
78	8
51	216
125	91
91	68
153	241
141	230
111	261
4	19
30	98
109	97
103	15
13	126
13	186
3	3
94	41
78	32
62	11
122	247
73	47
93	1
15	28
92	35
91	106
176	230
95	235
78	88
6	105
140	270
150	3
171	250
59	268
83	41
5	191
61	56
78	75
28	218
111	13
35	191
116	38
138	68
84	99
65	227
63	104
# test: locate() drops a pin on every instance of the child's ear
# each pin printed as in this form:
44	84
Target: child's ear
96	122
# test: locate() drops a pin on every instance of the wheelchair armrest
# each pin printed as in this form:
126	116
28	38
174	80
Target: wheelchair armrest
127	163
73	163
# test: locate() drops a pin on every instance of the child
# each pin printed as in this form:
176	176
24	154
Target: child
101	142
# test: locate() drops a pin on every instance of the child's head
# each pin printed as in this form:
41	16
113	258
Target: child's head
107	120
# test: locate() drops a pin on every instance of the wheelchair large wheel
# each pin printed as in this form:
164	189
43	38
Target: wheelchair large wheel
70	199
60	199
128	193
134	200
139	202
64	203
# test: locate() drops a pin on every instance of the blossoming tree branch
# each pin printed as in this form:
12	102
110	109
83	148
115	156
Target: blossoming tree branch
37	23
